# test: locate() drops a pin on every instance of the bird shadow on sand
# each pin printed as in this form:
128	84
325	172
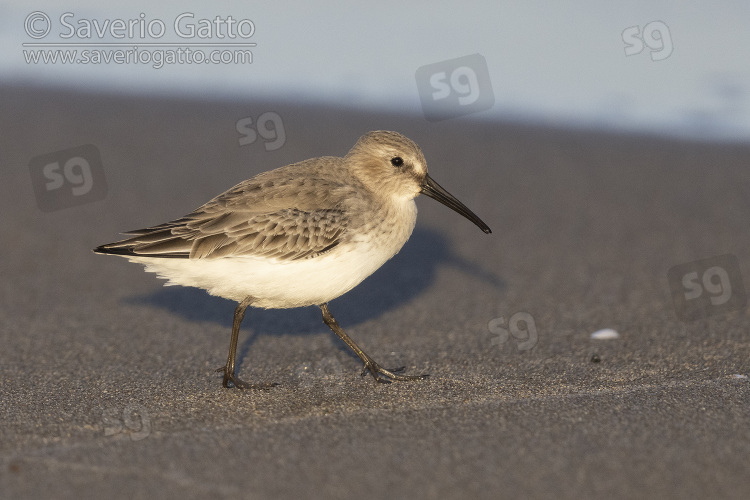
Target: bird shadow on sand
398	281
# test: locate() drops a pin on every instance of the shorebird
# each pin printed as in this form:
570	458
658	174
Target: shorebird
296	236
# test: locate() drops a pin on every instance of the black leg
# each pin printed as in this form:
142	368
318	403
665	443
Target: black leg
228	369
370	365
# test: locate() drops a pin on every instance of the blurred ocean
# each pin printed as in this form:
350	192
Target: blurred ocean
672	68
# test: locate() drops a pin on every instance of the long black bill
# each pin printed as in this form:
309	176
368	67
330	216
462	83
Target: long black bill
436	192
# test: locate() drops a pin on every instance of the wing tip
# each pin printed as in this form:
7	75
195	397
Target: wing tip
109	249
129	251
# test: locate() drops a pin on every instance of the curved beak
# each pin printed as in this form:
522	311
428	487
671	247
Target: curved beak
436	192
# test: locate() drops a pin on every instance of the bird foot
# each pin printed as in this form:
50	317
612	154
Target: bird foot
383	376
241	384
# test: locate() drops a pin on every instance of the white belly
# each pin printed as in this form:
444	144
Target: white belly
280	284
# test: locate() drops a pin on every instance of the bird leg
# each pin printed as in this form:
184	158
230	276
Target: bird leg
370	365
228	369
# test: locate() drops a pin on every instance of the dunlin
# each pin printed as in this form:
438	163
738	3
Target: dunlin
297	236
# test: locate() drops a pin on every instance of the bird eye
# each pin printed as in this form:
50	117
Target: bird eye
397	161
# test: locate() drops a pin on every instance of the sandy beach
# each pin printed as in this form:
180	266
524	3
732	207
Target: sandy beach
107	378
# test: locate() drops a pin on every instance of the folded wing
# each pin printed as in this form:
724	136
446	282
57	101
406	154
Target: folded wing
296	219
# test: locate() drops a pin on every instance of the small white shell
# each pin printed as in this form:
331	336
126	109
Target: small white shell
605	334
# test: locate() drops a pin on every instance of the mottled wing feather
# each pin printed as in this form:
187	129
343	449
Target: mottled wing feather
288	234
289	214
